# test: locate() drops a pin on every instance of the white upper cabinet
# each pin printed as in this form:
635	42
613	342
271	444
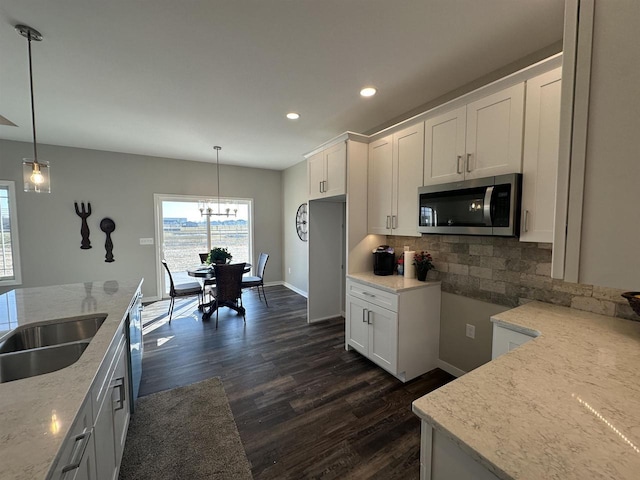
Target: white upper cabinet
540	158
444	147
481	139
395	173
327	171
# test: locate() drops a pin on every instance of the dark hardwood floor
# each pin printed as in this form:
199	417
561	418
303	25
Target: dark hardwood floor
304	406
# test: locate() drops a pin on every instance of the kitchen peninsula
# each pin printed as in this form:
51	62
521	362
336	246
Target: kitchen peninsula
565	404
37	413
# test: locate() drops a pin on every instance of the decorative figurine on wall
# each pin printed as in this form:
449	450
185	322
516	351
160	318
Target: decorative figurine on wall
84	230
108	226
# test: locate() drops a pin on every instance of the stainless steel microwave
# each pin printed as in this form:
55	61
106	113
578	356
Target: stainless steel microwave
484	206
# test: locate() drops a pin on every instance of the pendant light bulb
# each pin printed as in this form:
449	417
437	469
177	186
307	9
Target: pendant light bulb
36	177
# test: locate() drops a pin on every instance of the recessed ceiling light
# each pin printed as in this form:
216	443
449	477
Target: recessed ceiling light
293	116
368	92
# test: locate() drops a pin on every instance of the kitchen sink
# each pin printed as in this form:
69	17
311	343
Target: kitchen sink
51	333
38	361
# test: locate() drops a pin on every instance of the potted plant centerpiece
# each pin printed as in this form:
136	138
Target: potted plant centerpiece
423	264
219	255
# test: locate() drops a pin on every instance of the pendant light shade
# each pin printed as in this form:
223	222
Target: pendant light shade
35	173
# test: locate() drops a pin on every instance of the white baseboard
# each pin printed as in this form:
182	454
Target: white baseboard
295	289
447	367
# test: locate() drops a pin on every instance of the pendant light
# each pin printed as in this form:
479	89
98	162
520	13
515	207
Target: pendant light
35	173
206	208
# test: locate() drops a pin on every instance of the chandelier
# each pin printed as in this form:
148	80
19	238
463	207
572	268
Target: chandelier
206	206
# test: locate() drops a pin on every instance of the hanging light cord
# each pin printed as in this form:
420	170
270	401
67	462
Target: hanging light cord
33	108
218	173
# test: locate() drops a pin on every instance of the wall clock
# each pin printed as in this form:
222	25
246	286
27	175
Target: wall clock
302	223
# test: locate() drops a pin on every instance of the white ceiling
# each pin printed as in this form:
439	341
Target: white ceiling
173	78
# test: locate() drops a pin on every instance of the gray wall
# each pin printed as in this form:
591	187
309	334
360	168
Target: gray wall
296	256
611	217
121	186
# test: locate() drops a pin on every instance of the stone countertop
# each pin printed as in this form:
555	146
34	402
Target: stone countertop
390	283
564	405
29	439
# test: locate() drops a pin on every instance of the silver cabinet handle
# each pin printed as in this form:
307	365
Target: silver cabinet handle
369	321
324	186
364	311
369	294
119	384
394	221
388	222
320	186
458	168
80	445
468	162
526	221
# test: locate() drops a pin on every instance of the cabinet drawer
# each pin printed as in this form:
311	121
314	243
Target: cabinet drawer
373	295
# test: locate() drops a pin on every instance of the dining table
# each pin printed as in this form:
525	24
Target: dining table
207	273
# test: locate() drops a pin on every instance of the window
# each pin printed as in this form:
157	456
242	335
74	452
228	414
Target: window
9	246
182	232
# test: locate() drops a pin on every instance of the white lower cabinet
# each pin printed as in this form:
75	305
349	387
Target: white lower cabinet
400	332
112	418
95	443
506	339
77	456
442	459
374	332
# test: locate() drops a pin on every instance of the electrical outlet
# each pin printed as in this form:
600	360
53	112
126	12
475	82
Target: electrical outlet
471	331
146	241
289	270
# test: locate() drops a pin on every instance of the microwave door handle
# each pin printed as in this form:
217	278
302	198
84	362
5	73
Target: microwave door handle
488	194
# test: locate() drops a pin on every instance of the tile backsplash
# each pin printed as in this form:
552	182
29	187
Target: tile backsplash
508	272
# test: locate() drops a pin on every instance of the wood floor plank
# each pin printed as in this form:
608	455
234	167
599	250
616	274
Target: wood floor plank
305	407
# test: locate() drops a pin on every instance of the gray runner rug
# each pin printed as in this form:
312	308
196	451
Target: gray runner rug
188	432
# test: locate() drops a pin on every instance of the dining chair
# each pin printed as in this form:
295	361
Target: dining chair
258	280
186	289
203	257
228	289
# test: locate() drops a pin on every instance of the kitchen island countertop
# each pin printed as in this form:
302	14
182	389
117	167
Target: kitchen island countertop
564	405
36	413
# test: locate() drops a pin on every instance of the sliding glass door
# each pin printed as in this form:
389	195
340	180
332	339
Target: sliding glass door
182	233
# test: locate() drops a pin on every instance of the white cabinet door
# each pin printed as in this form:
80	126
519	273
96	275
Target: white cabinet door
408	164
77	454
120	405
444	147
357	326
315	166
494	134
379	196
540	158
373	332
327	172
505	340
104	439
383	337
335	160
